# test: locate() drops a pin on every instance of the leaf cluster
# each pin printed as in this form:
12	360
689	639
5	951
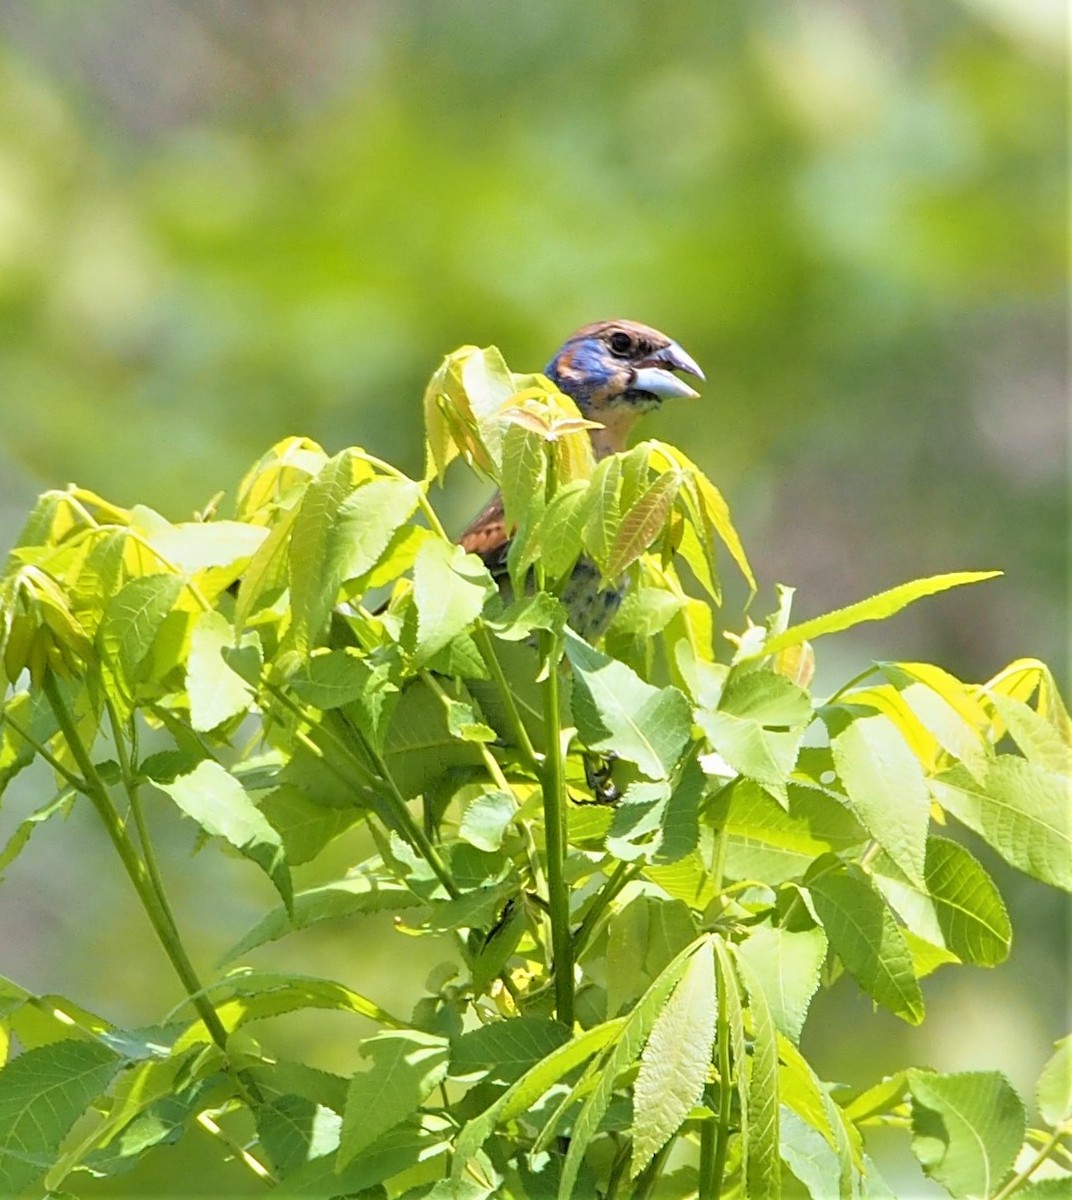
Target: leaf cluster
650	852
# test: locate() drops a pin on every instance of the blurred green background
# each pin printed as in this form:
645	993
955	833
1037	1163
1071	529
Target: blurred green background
225	222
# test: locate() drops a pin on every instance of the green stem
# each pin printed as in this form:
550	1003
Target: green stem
408	825
851	684
650	1176
617	1171
621	875
157	913
38	748
1045	1151
555	816
137	810
486	648
706	1174
711	1189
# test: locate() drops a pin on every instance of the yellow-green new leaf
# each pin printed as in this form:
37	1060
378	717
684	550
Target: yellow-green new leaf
875	608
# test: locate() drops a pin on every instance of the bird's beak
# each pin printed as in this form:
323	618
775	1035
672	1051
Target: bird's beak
655	374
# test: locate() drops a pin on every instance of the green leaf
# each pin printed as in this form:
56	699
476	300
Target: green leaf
449	588
886	788
521	1096
633	1035
268	570
295	1130
875	608
368	520
1040	741
673	1065
1021	809
558	537
801	1090
966	1129
401	1149
43	1092
418	745
216	692
654	822
643	937
763	1166
222	807
317	561
786	966
305	824
332	678
16	843
403	1066
616	710
486	820
132	619
261	995
764	841
970	911
198	545
603	511
713	506
353	896
865	937
807	1154
505	1050
1054	1094
758	725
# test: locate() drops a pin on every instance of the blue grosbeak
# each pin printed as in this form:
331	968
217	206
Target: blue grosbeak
615	372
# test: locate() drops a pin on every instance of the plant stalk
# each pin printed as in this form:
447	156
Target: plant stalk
711	1185
555	818
157	911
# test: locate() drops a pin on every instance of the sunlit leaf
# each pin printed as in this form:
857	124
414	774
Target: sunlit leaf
615	709
786	965
673	1065
450	588
1054	1094
886	788
875	608
223	808
1021	809
216	692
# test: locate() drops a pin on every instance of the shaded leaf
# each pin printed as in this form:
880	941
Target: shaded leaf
966	1129
866	938
403	1066
42	1093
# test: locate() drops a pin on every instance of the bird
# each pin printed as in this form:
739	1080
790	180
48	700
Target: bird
615	372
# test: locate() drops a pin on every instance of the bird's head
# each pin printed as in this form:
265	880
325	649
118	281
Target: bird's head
615	371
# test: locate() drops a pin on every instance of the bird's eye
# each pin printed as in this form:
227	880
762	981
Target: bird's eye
620	343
